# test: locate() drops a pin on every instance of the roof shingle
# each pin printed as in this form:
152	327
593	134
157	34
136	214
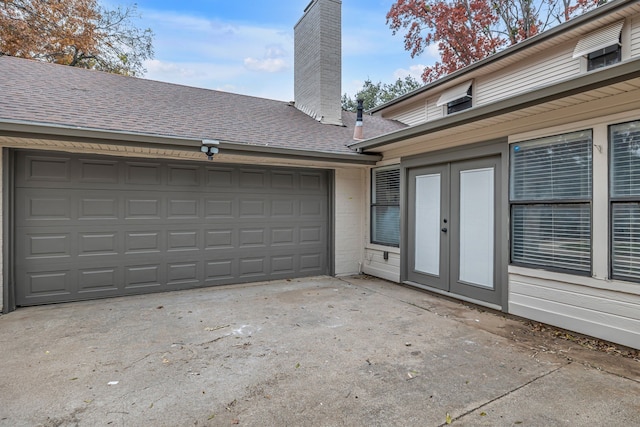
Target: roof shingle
39	92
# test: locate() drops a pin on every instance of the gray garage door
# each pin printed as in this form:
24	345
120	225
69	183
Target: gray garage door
92	227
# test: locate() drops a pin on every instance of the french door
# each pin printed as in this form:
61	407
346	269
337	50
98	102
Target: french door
453	224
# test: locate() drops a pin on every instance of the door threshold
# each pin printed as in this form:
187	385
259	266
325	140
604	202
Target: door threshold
452	295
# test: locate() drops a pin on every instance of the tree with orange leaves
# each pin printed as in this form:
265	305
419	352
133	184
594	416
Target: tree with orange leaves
79	33
467	31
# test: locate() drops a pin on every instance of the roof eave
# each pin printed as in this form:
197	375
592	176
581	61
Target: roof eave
537	39
21	128
593	80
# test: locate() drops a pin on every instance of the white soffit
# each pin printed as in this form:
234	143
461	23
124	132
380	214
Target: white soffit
454	93
599	39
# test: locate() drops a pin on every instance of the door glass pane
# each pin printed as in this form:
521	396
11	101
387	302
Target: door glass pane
427	228
477	226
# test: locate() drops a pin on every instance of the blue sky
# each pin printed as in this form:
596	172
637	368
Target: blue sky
247	46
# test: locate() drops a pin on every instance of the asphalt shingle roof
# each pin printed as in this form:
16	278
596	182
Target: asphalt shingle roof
34	91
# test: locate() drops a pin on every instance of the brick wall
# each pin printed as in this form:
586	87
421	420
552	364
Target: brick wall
318	61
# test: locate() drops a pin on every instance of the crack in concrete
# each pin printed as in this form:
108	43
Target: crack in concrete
539	377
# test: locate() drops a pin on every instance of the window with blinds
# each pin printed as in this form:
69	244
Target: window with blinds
624	169
550	194
385	206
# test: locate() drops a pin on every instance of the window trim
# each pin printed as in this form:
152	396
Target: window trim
554	202
602	53
461	104
612	200
373	205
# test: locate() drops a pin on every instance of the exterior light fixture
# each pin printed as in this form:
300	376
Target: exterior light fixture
209	147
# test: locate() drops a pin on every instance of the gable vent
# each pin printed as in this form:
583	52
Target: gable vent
604	37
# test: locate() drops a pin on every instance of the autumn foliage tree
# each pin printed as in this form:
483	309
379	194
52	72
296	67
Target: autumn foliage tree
79	33
466	31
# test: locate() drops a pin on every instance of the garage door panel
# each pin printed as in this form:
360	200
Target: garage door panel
183	272
283	208
104	208
312	182
138	276
283	264
183	175
46	245
42	207
283	180
252	208
99	171
98	243
99	279
253	266
220	177
253	179
283	236
143	242
252	238
143	208
183	240
142	173
222	207
220	270
54	282
112	226
40	168
183	209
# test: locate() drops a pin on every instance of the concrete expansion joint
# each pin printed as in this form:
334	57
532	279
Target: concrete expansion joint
427	309
615	374
539	377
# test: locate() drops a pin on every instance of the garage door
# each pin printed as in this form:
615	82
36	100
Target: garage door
91	227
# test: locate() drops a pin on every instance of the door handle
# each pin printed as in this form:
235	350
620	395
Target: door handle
444	230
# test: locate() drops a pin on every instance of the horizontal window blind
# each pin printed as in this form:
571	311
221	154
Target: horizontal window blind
557	236
385	206
624	141
550	192
556	168
625	160
385	223
386	186
625	257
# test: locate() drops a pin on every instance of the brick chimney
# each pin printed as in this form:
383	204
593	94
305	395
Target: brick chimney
318	61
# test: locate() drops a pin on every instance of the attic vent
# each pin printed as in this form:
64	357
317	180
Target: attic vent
454	93
604	37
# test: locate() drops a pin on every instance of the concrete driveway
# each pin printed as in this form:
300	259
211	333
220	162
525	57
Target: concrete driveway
319	352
